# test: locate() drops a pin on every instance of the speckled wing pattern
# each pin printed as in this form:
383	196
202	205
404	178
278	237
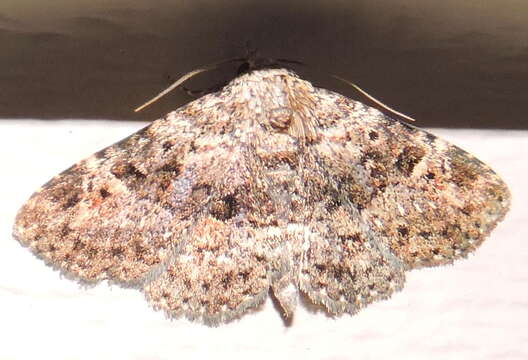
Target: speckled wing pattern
270	185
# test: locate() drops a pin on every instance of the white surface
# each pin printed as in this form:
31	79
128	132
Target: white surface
475	309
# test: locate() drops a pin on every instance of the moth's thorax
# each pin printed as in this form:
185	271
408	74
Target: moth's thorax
274	81
277	100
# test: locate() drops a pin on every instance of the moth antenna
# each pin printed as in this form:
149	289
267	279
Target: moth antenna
360	90
372	98
183	79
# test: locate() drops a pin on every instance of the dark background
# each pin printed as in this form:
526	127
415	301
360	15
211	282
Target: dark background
447	63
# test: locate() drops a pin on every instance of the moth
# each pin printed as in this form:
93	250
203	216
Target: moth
269	185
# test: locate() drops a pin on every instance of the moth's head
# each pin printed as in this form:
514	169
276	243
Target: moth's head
248	64
253	61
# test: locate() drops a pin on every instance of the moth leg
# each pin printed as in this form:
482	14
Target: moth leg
202	92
